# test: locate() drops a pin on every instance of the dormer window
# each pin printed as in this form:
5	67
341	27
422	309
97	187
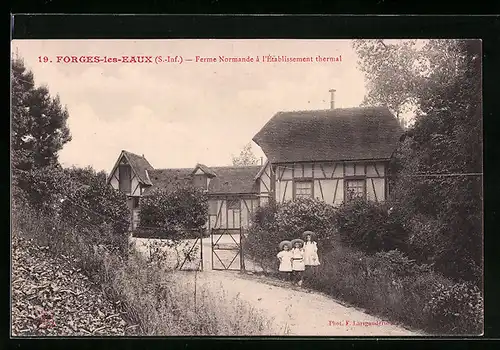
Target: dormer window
200	180
201	176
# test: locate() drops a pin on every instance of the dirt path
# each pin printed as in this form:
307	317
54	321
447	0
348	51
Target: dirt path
296	311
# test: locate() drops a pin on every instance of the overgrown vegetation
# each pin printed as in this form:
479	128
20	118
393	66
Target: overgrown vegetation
417	258
371	227
273	223
176	214
364	252
437	169
75	215
392	285
153	300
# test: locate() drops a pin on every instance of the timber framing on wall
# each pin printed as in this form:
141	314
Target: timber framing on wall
272	196
228	215
372	172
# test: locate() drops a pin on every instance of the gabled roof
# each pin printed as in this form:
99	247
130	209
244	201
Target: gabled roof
140	166
332	134
205	169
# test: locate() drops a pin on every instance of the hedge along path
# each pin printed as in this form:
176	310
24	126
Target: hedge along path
294	310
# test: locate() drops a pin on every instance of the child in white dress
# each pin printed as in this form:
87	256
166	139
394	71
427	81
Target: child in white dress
311	259
310	250
298	266
285	258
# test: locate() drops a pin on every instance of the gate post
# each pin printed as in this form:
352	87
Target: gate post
212	247
242	260
201	248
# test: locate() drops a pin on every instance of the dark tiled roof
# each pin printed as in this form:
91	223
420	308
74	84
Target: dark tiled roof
234	179
334	134
168	179
227	180
140	165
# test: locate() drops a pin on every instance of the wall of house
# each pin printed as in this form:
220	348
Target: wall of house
135	218
135	185
224	215
329	180
265	185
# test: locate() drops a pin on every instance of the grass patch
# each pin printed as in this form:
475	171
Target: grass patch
154	301
391	286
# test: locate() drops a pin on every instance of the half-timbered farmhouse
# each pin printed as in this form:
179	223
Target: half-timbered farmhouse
333	155
232	190
130	175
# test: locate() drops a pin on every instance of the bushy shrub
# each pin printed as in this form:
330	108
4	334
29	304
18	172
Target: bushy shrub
431	241
425	239
265	216
303	214
173	214
370	226
397	264
456	309
95	209
40	188
392	285
273	223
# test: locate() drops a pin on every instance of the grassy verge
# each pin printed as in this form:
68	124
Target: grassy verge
152	300
390	286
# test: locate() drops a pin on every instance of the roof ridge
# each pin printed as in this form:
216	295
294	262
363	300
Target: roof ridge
237	166
173	169
217	166
132	153
329	109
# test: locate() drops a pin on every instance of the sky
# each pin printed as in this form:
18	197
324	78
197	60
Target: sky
180	114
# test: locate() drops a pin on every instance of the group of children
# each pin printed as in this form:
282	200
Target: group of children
297	256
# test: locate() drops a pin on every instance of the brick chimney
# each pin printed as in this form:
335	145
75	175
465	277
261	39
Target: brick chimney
332	98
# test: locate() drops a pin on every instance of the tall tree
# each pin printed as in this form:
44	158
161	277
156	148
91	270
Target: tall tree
39	132
437	186
39	121
391	73
246	157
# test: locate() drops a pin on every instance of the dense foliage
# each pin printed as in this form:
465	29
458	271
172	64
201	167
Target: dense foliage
441	82
173	213
392	285
456	308
370	226
273	223
39	132
75	198
39	128
96	208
